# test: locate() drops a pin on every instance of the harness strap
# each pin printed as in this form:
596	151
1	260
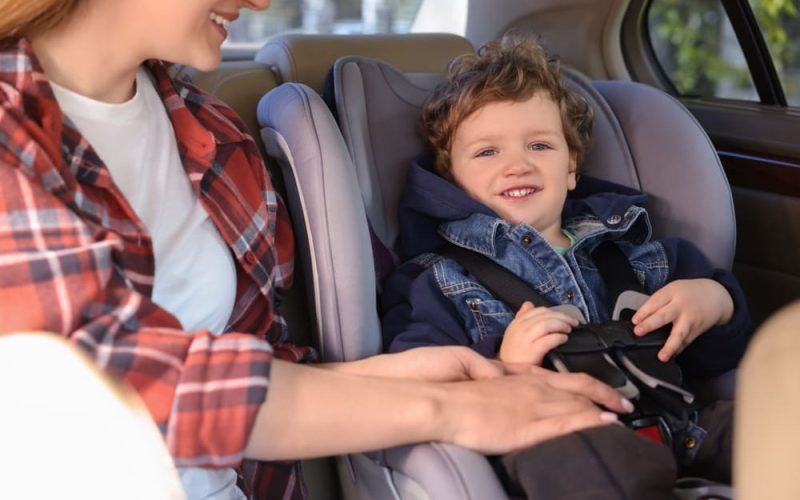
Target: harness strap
625	293
596	349
501	282
614	268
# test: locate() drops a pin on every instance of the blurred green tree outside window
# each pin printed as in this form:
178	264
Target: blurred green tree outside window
696	46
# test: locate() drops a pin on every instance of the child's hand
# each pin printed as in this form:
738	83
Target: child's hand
692	306
534	332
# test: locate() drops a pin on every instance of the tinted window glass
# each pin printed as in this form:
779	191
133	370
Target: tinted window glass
780	22
695	44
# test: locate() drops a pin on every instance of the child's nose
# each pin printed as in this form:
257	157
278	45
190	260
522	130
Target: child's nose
520	164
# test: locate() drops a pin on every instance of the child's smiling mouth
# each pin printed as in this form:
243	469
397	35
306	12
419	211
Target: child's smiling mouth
520	192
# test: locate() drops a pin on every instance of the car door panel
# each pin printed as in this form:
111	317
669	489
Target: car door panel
758	148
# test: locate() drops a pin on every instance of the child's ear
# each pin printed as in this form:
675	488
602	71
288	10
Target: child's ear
572	176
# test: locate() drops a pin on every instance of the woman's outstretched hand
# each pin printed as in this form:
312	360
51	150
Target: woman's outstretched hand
513	412
449	394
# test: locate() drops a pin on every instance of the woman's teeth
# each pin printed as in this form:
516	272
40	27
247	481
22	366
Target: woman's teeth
220	20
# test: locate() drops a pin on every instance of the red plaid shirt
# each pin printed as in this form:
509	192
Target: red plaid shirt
75	259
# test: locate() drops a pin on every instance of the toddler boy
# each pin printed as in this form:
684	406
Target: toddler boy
508	138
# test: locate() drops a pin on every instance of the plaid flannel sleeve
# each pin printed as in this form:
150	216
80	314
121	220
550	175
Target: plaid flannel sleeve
57	275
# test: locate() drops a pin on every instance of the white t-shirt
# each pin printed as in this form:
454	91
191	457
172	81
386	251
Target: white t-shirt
195	276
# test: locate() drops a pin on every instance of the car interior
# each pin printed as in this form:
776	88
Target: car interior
720	172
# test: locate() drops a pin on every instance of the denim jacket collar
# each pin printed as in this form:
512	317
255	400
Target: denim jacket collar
633	223
431	206
480	232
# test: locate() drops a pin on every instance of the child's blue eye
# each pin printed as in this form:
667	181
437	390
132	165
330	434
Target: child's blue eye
486	152
538	146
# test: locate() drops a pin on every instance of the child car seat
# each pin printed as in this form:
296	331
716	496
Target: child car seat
341	186
333	240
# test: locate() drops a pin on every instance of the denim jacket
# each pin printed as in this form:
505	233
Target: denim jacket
432	300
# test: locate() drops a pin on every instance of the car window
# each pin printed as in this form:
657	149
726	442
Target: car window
252	29
780	23
697	48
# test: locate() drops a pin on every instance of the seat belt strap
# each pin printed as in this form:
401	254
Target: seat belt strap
615	269
611	262
500	282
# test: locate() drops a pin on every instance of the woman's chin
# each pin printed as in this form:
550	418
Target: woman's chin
206	60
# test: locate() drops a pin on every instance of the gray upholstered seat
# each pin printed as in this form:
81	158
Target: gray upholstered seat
643	138
334	243
340	177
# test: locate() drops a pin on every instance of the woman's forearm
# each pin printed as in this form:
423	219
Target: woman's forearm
312	412
432	364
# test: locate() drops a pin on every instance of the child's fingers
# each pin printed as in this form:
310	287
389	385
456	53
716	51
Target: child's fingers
675	342
655	302
532	311
655	320
530	346
528	334
549	325
525	307
669	350
546	344
542	313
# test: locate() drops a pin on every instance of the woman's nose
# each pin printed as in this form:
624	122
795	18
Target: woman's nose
257	4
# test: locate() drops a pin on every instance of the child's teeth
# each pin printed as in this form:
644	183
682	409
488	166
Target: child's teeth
514	193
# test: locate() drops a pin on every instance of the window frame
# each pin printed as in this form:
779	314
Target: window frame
644	65
755	140
756	52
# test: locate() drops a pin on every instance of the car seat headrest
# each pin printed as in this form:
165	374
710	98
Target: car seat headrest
675	164
378	108
306	58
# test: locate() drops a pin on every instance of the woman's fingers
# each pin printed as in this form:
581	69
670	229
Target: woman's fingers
559	425
591	388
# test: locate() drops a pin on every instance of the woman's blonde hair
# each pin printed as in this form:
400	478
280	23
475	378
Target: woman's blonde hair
31	17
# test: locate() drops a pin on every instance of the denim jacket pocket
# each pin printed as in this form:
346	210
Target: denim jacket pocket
491	316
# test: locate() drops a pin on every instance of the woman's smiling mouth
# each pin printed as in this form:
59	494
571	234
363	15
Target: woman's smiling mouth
220	21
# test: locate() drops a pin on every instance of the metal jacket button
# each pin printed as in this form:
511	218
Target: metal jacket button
569	296
527	240
614	220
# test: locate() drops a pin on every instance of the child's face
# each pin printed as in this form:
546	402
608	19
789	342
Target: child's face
513	157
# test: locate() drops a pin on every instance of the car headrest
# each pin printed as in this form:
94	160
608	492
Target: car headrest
643	139
307	58
672	160
240	84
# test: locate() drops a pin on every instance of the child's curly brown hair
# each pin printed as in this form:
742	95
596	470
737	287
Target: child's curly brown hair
511	69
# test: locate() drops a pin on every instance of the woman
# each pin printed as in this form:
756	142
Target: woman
138	221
